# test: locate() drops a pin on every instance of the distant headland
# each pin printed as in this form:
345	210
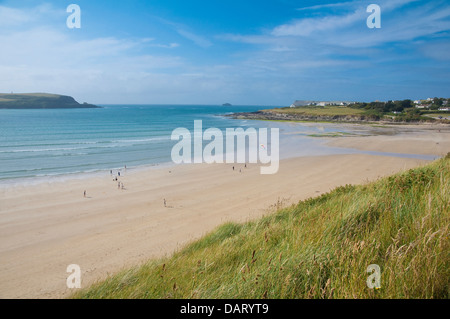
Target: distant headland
40	101
400	111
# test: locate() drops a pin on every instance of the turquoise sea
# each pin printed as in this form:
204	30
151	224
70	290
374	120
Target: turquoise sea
49	142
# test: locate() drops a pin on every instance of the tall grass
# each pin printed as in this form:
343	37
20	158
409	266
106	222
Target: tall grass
319	248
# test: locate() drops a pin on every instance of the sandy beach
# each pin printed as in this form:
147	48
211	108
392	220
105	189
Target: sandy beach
47	226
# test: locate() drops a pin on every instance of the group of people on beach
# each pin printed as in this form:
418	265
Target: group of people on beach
121	186
115	179
240	170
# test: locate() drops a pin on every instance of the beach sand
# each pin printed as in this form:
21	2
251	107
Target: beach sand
426	139
47	226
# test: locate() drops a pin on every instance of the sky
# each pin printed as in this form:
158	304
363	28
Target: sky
244	52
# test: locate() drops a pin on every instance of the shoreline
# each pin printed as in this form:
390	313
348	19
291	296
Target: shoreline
46	227
64	177
341	142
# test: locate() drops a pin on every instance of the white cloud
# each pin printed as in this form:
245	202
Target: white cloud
306	27
337	21
349	30
12	17
322	6
197	39
172	45
187	33
36	56
438	51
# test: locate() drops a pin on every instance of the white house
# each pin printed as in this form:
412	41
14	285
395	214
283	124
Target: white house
298	103
444	109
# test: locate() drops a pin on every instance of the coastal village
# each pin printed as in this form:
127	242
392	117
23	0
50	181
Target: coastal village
299	103
399	110
420	104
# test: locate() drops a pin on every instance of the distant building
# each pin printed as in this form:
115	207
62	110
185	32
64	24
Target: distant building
299	103
444	109
417	102
421	106
444	102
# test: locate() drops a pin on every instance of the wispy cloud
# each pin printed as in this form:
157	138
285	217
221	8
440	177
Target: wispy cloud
37	56
336	45
172	45
13	17
187	33
197	39
348	29
323	6
305	27
333	22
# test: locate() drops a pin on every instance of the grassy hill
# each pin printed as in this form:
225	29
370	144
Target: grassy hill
357	112
319	248
39	101
319	110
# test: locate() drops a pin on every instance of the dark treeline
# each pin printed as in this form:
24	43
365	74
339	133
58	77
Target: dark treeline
406	108
397	106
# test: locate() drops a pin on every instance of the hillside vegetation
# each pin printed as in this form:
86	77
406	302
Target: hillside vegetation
319	248
391	111
320	110
40	101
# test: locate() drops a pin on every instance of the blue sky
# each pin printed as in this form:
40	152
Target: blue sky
212	52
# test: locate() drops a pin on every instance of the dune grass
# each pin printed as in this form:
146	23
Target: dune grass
319	248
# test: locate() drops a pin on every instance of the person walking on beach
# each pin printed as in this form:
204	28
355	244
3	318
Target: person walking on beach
84	194
118	185
165	204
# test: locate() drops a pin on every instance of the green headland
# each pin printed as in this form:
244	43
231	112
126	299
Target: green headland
40	101
406	111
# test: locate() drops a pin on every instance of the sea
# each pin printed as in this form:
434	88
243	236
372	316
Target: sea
38	144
